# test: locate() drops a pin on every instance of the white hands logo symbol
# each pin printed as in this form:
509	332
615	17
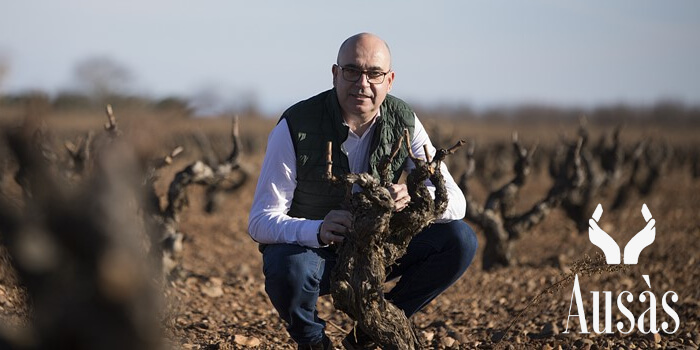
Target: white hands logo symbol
642	239
601	239
610	248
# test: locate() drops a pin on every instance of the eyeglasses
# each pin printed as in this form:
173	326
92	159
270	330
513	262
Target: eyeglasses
353	75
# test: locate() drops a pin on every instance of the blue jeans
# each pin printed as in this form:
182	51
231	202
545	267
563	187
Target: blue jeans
295	276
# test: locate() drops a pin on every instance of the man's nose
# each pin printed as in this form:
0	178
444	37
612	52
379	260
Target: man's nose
364	80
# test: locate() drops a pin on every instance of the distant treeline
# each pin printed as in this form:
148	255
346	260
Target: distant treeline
662	112
80	102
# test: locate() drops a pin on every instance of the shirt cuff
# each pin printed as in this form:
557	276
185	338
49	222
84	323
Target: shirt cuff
308	233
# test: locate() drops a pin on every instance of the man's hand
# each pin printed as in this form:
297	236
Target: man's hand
334	226
399	193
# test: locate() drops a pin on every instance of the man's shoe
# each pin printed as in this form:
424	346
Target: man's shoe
324	344
358	340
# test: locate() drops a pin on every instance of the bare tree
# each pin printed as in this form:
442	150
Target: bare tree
102	76
4	68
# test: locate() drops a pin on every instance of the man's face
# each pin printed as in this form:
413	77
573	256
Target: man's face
362	98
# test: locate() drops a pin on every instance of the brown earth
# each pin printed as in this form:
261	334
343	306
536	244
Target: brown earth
216	299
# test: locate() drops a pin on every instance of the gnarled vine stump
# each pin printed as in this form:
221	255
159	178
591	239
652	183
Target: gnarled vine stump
497	217
377	238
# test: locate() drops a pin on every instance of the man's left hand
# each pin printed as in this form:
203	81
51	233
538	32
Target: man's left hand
399	193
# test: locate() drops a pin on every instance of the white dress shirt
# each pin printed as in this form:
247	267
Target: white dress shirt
268	221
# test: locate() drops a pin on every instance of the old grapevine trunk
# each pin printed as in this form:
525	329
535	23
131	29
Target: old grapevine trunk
378	237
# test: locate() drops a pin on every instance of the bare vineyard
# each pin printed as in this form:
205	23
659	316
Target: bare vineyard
133	234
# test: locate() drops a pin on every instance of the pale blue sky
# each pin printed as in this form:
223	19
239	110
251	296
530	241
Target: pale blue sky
481	53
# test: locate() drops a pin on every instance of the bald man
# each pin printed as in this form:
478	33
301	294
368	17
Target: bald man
296	214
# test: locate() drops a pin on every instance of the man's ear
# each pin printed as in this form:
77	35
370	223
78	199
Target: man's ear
334	70
390	83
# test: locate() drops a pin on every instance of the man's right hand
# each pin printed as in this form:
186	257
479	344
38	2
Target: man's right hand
334	226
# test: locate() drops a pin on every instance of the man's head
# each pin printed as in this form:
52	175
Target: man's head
363	62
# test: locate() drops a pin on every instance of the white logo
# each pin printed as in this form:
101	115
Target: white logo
647	320
610	248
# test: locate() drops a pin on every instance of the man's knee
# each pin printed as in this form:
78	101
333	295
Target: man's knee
292	280
461	242
290	270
